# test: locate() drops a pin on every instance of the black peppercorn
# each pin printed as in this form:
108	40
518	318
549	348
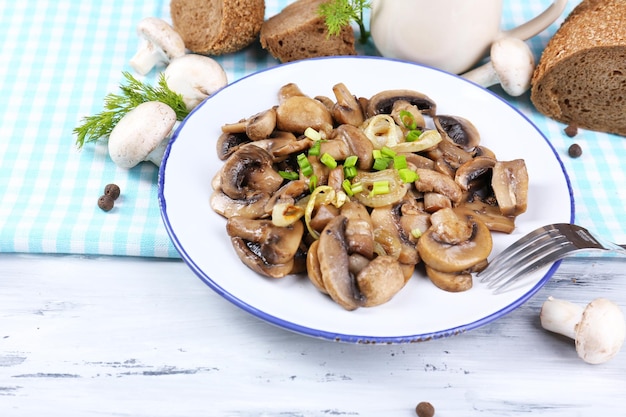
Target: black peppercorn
571	130
112	190
575	150
105	202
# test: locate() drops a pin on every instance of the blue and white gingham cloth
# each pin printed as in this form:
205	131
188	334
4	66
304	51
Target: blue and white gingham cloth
59	60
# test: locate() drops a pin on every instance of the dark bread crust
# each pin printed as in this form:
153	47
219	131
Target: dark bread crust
216	27
298	32
581	77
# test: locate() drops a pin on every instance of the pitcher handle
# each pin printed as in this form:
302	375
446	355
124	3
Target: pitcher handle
537	24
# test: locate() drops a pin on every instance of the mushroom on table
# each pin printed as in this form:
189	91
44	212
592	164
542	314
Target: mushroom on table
160	44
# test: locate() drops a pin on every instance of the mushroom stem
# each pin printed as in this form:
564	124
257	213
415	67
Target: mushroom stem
512	65
146	58
561	316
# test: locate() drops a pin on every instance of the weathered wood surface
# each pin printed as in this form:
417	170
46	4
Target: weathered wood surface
134	337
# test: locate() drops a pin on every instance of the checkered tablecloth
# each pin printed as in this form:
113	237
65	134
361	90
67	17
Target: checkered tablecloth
59	60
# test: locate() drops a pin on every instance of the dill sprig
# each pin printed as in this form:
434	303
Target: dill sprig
340	13
116	106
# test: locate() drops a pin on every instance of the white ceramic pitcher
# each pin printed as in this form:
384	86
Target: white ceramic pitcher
452	35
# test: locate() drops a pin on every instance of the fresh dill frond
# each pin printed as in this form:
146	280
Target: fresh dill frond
133	93
340	13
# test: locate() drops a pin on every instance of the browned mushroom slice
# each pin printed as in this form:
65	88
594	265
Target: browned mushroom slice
251	207
359	229
407	115
472	174
273	244
455	257
313	267
228	143
450	281
289	90
433	181
249	171
357	143
380	280
489	214
458	130
390	234
347	109
382	102
246	252
510	186
334	264
434	202
297	113
322	216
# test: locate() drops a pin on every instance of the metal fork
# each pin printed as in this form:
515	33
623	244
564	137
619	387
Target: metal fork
539	248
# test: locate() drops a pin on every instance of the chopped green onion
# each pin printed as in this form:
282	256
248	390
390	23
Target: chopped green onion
399	162
407	119
305	165
347	187
328	160
312	134
315	149
379	187
413	135
349	172
312	183
377	154
289	175
357	187
387	152
381	163
416	233
350	161
407	175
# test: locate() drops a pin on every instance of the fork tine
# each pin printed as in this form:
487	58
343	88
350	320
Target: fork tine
526	247
554	256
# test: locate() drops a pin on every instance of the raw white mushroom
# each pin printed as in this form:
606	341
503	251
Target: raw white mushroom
598	329
195	77
142	134
160	44
512	64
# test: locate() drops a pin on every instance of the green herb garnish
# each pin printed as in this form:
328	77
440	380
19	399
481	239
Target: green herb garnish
340	13
117	105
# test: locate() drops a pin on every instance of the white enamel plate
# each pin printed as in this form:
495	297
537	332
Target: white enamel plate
420	311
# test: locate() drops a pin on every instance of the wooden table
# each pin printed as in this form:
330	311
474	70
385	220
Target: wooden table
105	336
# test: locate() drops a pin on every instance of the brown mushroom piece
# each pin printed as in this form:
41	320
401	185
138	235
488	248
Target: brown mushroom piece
488	214
382	102
252	207
359	229
388	229
248	171
475	174
449	247
257	127
450	281
229	142
264	247
357	143
433	181
289	90
379	281
313	267
458	130
297	113
407	115
510	186
334	263
347	109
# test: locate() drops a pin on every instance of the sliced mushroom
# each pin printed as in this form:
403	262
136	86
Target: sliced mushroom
323	215
359	229
382	103
433	181
257	127
413	120
510	186
229	142
334	265
313	267
448	227
297	113
472	174
387	225
273	244
358	144
488	214
252	207
458	130
289	90
249	171
447	257
434	202
347	109
450	281
380	280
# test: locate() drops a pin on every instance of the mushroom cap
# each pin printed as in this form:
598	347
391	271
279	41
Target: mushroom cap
601	332
140	132
160	34
514	64
195	77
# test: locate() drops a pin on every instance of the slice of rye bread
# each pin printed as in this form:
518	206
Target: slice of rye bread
299	32
217	27
581	77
